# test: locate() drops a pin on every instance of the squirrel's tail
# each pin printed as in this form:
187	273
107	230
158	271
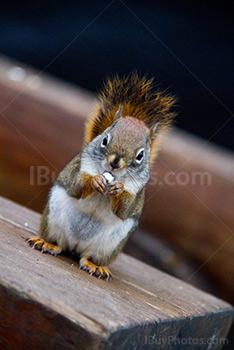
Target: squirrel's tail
137	97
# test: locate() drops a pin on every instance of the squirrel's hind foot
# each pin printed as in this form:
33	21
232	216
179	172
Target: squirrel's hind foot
98	271
37	242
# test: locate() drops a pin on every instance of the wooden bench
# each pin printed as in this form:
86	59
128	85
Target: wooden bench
48	302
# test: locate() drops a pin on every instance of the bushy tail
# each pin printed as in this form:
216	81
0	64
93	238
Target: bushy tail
138	98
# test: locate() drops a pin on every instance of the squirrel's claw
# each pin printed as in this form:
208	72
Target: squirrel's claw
98	271
99	183
116	189
36	242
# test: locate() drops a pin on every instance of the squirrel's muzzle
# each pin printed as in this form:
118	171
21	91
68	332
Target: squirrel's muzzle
115	161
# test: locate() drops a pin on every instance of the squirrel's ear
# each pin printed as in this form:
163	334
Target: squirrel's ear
154	130
118	114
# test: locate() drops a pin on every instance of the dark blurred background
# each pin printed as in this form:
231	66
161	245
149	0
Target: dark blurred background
187	46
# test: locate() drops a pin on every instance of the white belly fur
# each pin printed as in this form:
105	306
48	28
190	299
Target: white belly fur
86	225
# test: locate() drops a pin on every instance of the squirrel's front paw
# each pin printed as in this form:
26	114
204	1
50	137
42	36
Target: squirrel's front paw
99	183
116	188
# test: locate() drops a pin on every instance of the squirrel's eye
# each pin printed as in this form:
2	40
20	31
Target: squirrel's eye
140	156
105	141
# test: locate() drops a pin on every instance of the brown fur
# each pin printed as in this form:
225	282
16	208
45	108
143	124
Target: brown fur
86	185
138	98
44	222
77	184
128	204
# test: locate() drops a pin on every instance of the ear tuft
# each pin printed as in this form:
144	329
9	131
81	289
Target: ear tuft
118	114
154	130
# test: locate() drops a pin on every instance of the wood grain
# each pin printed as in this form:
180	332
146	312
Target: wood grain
48	301
41	124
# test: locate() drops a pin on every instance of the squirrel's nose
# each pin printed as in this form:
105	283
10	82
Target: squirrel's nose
115	163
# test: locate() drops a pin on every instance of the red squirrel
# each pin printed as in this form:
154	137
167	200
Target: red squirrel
97	199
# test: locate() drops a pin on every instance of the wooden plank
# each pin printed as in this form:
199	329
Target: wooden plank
48	301
196	218
160	254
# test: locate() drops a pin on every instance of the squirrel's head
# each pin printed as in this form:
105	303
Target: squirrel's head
126	145
124	148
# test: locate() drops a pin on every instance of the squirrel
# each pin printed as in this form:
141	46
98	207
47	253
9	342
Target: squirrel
97	199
